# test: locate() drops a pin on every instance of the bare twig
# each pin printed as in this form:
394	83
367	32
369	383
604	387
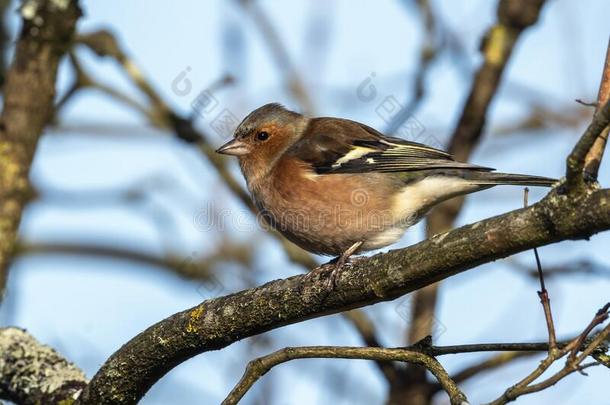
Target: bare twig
600	317
577	267
594	157
576	161
573	362
259	367
587	103
543	294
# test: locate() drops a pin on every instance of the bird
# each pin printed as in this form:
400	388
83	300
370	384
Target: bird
337	187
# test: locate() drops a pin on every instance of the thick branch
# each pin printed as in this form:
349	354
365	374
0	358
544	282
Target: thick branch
31	373
217	323
28	102
259	367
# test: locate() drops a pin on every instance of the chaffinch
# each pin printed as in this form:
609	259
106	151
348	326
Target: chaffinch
338	187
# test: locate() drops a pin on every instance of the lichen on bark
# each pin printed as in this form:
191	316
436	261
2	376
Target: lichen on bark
33	373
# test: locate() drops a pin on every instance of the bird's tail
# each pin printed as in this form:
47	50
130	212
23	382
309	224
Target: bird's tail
493	178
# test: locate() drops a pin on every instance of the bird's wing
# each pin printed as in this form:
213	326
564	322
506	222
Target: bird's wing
333	145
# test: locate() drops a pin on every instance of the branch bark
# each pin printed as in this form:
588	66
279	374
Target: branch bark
32	374
29	90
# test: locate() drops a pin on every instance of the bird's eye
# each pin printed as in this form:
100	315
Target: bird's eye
262	136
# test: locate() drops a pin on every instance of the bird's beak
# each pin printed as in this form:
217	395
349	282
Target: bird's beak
234	147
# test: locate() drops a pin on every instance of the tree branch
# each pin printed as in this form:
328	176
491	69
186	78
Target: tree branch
259	367
32	374
543	294
28	102
576	161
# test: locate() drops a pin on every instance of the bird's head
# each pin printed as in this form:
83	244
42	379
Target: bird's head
263	136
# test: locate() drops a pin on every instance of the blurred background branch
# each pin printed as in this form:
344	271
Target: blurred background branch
28	101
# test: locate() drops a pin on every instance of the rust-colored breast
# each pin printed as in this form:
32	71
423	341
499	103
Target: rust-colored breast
325	214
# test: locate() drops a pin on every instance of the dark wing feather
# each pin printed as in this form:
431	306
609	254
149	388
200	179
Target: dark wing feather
333	145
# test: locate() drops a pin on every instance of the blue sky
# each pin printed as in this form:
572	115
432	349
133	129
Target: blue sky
88	307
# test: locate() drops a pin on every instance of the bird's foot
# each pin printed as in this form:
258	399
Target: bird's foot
339	264
320	271
335	267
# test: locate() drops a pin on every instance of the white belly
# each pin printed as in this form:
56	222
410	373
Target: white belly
413	202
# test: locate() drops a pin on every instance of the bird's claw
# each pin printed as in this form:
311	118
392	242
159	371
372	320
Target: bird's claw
331	271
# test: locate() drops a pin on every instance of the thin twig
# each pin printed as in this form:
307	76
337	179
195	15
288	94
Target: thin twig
587	103
543	293
573	363
575	163
486	347
259	367
599	318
